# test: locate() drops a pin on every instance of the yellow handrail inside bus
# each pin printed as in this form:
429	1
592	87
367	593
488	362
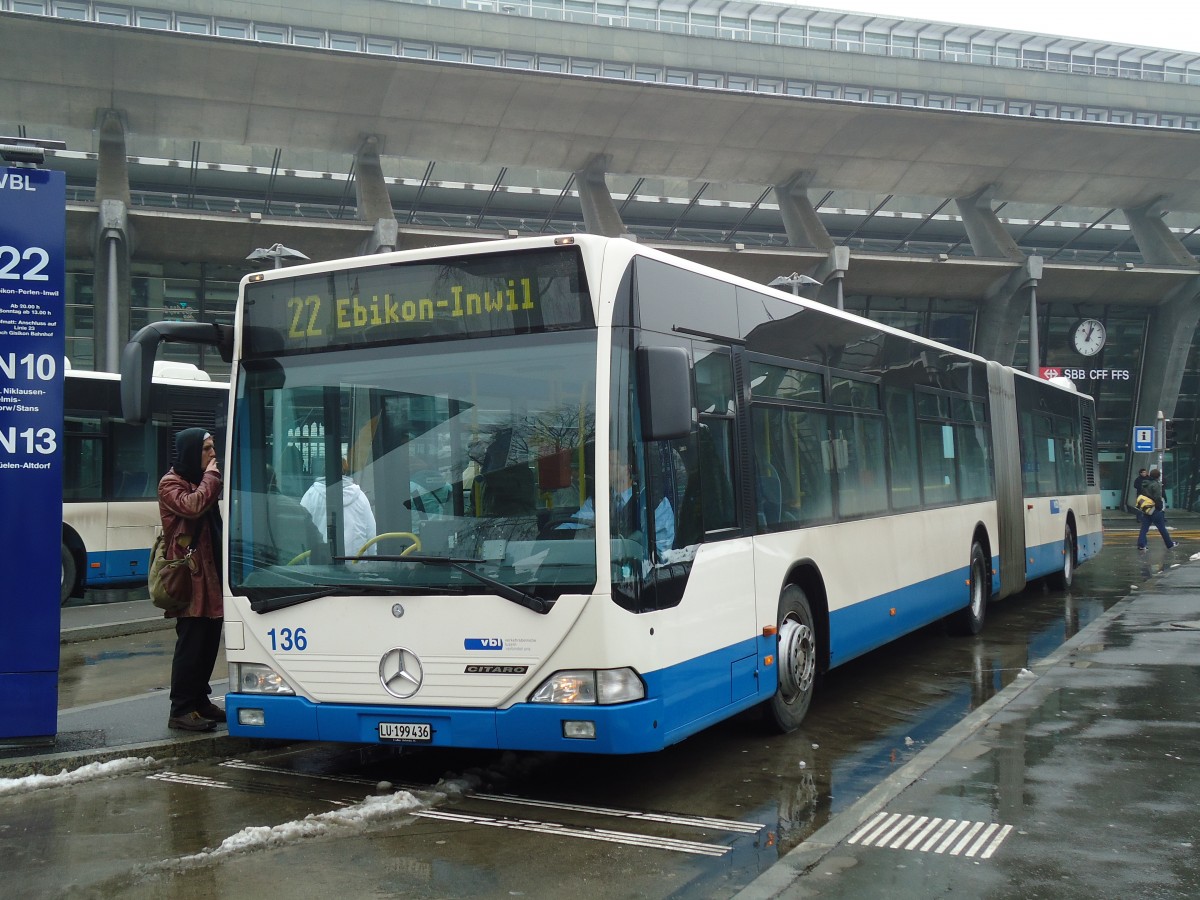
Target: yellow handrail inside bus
406	535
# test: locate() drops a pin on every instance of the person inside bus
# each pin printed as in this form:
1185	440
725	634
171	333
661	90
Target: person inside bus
187	504
626	520
430	493
358	518
283	528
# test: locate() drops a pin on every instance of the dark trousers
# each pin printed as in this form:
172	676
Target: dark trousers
1158	519
197	642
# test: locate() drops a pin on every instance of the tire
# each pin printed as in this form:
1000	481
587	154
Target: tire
1065	577
969	619
796	660
69	574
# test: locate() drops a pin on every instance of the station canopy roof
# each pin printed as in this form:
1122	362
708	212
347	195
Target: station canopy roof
875	161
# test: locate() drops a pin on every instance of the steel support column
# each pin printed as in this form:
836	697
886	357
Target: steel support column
1171	330
1002	310
600	215
986	233
801	223
1158	245
112	248
374	201
832	275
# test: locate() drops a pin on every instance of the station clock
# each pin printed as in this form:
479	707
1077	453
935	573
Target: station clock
1087	337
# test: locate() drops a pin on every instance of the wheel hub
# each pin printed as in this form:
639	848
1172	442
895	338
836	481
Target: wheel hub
797	658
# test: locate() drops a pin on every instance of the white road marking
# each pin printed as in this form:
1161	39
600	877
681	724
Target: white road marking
270	790
950	836
662	818
596	834
591	834
276	770
195	780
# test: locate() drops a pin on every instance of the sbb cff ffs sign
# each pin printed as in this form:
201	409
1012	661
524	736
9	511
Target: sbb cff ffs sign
32	285
1049	372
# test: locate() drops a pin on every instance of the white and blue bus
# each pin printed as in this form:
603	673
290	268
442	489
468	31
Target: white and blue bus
614	496
110	480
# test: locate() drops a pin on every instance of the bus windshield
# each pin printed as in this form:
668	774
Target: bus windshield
375	468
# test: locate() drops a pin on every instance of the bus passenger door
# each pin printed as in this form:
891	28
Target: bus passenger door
702	572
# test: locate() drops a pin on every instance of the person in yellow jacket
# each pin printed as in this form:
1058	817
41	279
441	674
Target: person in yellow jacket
1152	488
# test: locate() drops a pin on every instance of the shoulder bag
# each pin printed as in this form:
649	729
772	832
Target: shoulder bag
170	580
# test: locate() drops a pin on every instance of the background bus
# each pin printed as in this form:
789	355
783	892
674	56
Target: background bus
110	485
615	496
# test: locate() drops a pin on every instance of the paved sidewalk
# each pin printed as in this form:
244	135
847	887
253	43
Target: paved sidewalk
118	726
1079	780
89	622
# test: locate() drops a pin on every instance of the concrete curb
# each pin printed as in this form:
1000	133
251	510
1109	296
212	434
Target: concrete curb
186	749
777	880
113	629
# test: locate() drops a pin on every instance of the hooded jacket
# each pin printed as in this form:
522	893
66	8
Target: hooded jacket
187	505
359	518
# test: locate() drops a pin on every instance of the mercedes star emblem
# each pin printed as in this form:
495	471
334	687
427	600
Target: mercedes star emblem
400	672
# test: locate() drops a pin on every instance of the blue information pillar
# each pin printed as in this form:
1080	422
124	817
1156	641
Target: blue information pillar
32	286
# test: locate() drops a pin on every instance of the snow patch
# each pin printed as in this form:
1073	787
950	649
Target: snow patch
90	772
350	818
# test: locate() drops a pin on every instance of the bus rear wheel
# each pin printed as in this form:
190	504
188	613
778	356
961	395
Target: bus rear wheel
69	574
796	661
1062	579
969	619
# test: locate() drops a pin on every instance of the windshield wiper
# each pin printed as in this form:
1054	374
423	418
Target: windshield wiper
270	604
507	591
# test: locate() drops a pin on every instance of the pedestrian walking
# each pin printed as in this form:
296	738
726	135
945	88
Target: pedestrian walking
191	520
1152	488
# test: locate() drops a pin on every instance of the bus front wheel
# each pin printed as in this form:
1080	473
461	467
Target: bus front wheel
796	661
969	620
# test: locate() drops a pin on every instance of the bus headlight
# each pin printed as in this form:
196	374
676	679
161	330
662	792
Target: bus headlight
253	678
601	687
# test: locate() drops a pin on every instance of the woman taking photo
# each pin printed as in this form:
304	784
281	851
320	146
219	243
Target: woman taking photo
191	520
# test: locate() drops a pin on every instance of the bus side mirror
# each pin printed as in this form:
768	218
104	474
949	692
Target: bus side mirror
664	392
137	359
137	370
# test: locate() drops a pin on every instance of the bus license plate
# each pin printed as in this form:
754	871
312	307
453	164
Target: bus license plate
405	731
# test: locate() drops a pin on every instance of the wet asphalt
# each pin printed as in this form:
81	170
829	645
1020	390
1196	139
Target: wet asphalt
1079	779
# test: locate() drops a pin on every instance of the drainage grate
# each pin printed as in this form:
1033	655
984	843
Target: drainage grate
953	837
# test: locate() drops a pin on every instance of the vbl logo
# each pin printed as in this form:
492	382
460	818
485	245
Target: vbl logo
15	182
483	644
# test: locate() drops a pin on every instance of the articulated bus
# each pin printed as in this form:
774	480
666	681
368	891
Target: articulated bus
110	484
612	497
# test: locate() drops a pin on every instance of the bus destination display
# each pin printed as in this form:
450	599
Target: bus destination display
513	293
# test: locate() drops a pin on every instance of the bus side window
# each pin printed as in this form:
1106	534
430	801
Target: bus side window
135	455
667	482
902	448
84	444
132	484
769	492
716	474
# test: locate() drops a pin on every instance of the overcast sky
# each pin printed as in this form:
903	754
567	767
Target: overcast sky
1152	23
